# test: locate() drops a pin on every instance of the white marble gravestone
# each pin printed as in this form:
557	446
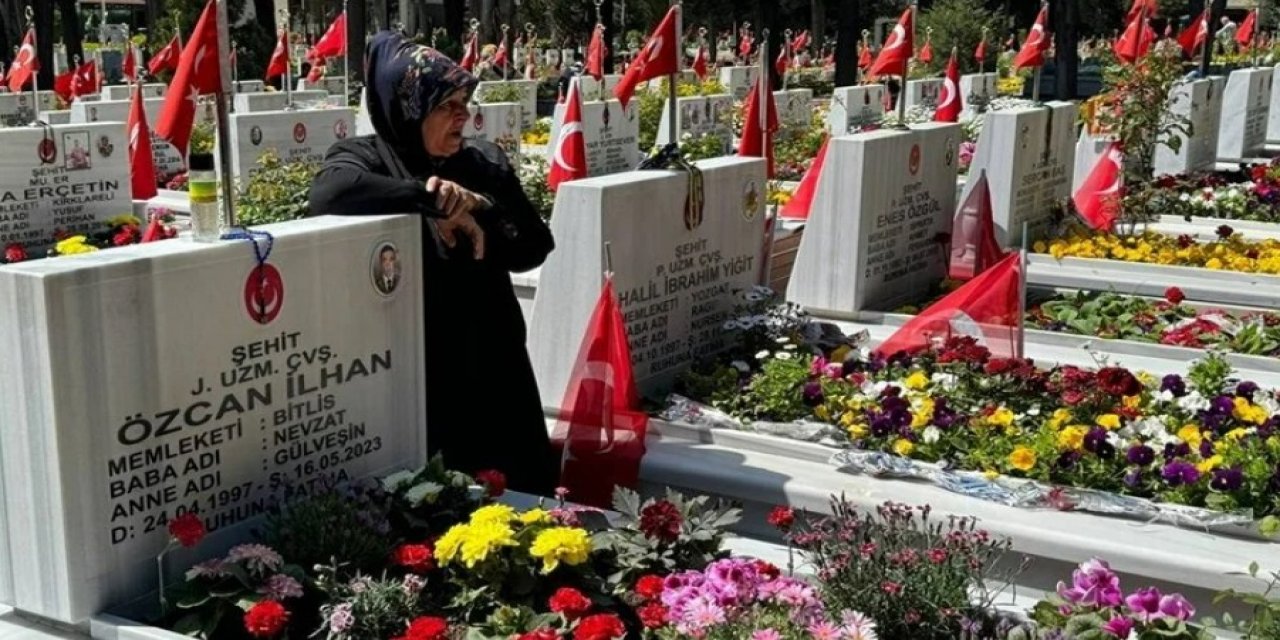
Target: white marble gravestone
18	109
1200	101
528	96
213	408
699	116
332	84
258	86
71	177
924	93
611	135
1273	116
872	240
739	80
61	116
591	88
278	101
168	160
678	273
855	108
125	92
499	123
795	111
977	90
364	124
1029	157
294	135
1242	131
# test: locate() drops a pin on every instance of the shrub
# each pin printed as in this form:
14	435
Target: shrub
276	191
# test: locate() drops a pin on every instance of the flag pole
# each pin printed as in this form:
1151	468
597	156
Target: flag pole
235	72
1206	53
346	54
1035	86
866	46
510	55
786	47
1022	293
288	61
35	77
673	97
762	114
982	62
906	66
1253	37
225	149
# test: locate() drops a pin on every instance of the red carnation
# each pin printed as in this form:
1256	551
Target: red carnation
768	569
494	482
782	518
266	619
417	558
649	587
187	529
540	634
1174	295
661	521
1225	231
14	252
605	626
426	628
1118	382
569	602
127	235
652	615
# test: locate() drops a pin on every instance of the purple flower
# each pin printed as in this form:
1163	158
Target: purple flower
1144	603
1222	405
1173	384
1179	450
1206	448
1068	459
1227	479
1180	472
1176	606
1246	389
281	587
1268	428
341	619
825	631
1133	479
1141	455
1096	442
1093	585
813	395
1119	627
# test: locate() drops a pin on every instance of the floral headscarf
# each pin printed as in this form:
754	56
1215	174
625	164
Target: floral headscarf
406	82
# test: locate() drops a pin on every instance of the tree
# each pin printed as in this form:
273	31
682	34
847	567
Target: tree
959	23
848	35
1064	19
72	36
44	41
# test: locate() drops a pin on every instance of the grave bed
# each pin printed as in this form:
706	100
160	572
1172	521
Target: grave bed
1135	278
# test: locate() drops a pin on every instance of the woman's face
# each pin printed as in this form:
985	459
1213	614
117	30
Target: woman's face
442	130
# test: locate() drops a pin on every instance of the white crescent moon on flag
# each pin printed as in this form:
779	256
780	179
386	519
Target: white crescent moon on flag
964	324
1037	35
949	89
568	129
1116	158
897	39
133	137
25	54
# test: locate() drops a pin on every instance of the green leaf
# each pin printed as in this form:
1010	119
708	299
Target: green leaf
1269	527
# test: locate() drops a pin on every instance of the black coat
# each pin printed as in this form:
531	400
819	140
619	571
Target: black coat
483	408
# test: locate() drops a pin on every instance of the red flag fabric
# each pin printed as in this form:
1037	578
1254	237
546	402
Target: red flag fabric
595	54
471	54
700	63
897	49
987	308
62	85
926	52
500	57
166	59
1244	35
797	208
1032	52
974	248
85	81
659	57
334	41
601	428
949	103
1195	34
279	63
753	143
198	72
864	57
1098	198
142	166
783	60
980	54
744	46
130	65
1136	40
1151	7
316	74
25	63
569	159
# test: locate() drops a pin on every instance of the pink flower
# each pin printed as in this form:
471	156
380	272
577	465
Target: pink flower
824	631
1092	585
1144	603
1119	627
1176	606
281	587
766	634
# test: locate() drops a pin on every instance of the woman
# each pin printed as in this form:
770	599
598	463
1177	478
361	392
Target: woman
483	408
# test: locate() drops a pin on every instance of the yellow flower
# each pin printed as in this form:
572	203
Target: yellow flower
858	431
1072	438
535	516
450	544
1060	417
1244	410
1213	263
991	474
1132	402
483	539
1001	417
903	447
1108	421
822	412
1022	458
494	513
1234	435
73	245
123	219
916	381
1190	434
923	414
1213	462
569	545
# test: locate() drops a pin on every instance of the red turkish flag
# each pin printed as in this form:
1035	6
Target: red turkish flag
926	52
1136	40
1244	35
780	63
334	41
130	64
62	85
166	59
142	166
1098	198
754	132
601	430
801	41
1032	52
471	54
864	57
85	81
973	234
279	63
897	49
595	54
700	63
987	308
659	57
25	64
797	208
980	54
949	103
1195	34
744	46
500	57
316	74
569	157
198	72
1150	6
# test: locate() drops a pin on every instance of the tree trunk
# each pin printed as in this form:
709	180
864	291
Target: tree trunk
606	18
767	18
44	42
484	11
1064	19
356	28
848	36
71	34
817	25
454	14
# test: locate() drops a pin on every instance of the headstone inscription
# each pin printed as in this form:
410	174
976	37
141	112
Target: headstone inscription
795	111
70	177
528	96
168	160
1029	157
977	91
1200	102
1242	131
924	93
499	123
293	135
679	269
278	101
873	240
855	108
214	409
611	135
700	116
738	80
125	91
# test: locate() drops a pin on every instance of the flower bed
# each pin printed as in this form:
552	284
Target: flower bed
1252	194
119	231
1230	252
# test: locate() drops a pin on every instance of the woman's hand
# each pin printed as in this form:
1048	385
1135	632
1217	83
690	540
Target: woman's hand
453	199
466	225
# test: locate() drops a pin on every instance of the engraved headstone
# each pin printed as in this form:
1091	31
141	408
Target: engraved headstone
700	116
168	160
738	80
257	86
1200	101
1242	131
528	96
611	135
1273	116
499	123
591	88
332	84
872	241
125	92
19	109
855	108
679	271
293	135
1029	157
213	409
278	101
977	90
924	93
795	111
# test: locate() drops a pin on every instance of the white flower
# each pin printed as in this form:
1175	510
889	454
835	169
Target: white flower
931	434
1115	440
783	355
427	492
944	380
459	479
1192	402
397	481
782	340
762	355
1034	410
